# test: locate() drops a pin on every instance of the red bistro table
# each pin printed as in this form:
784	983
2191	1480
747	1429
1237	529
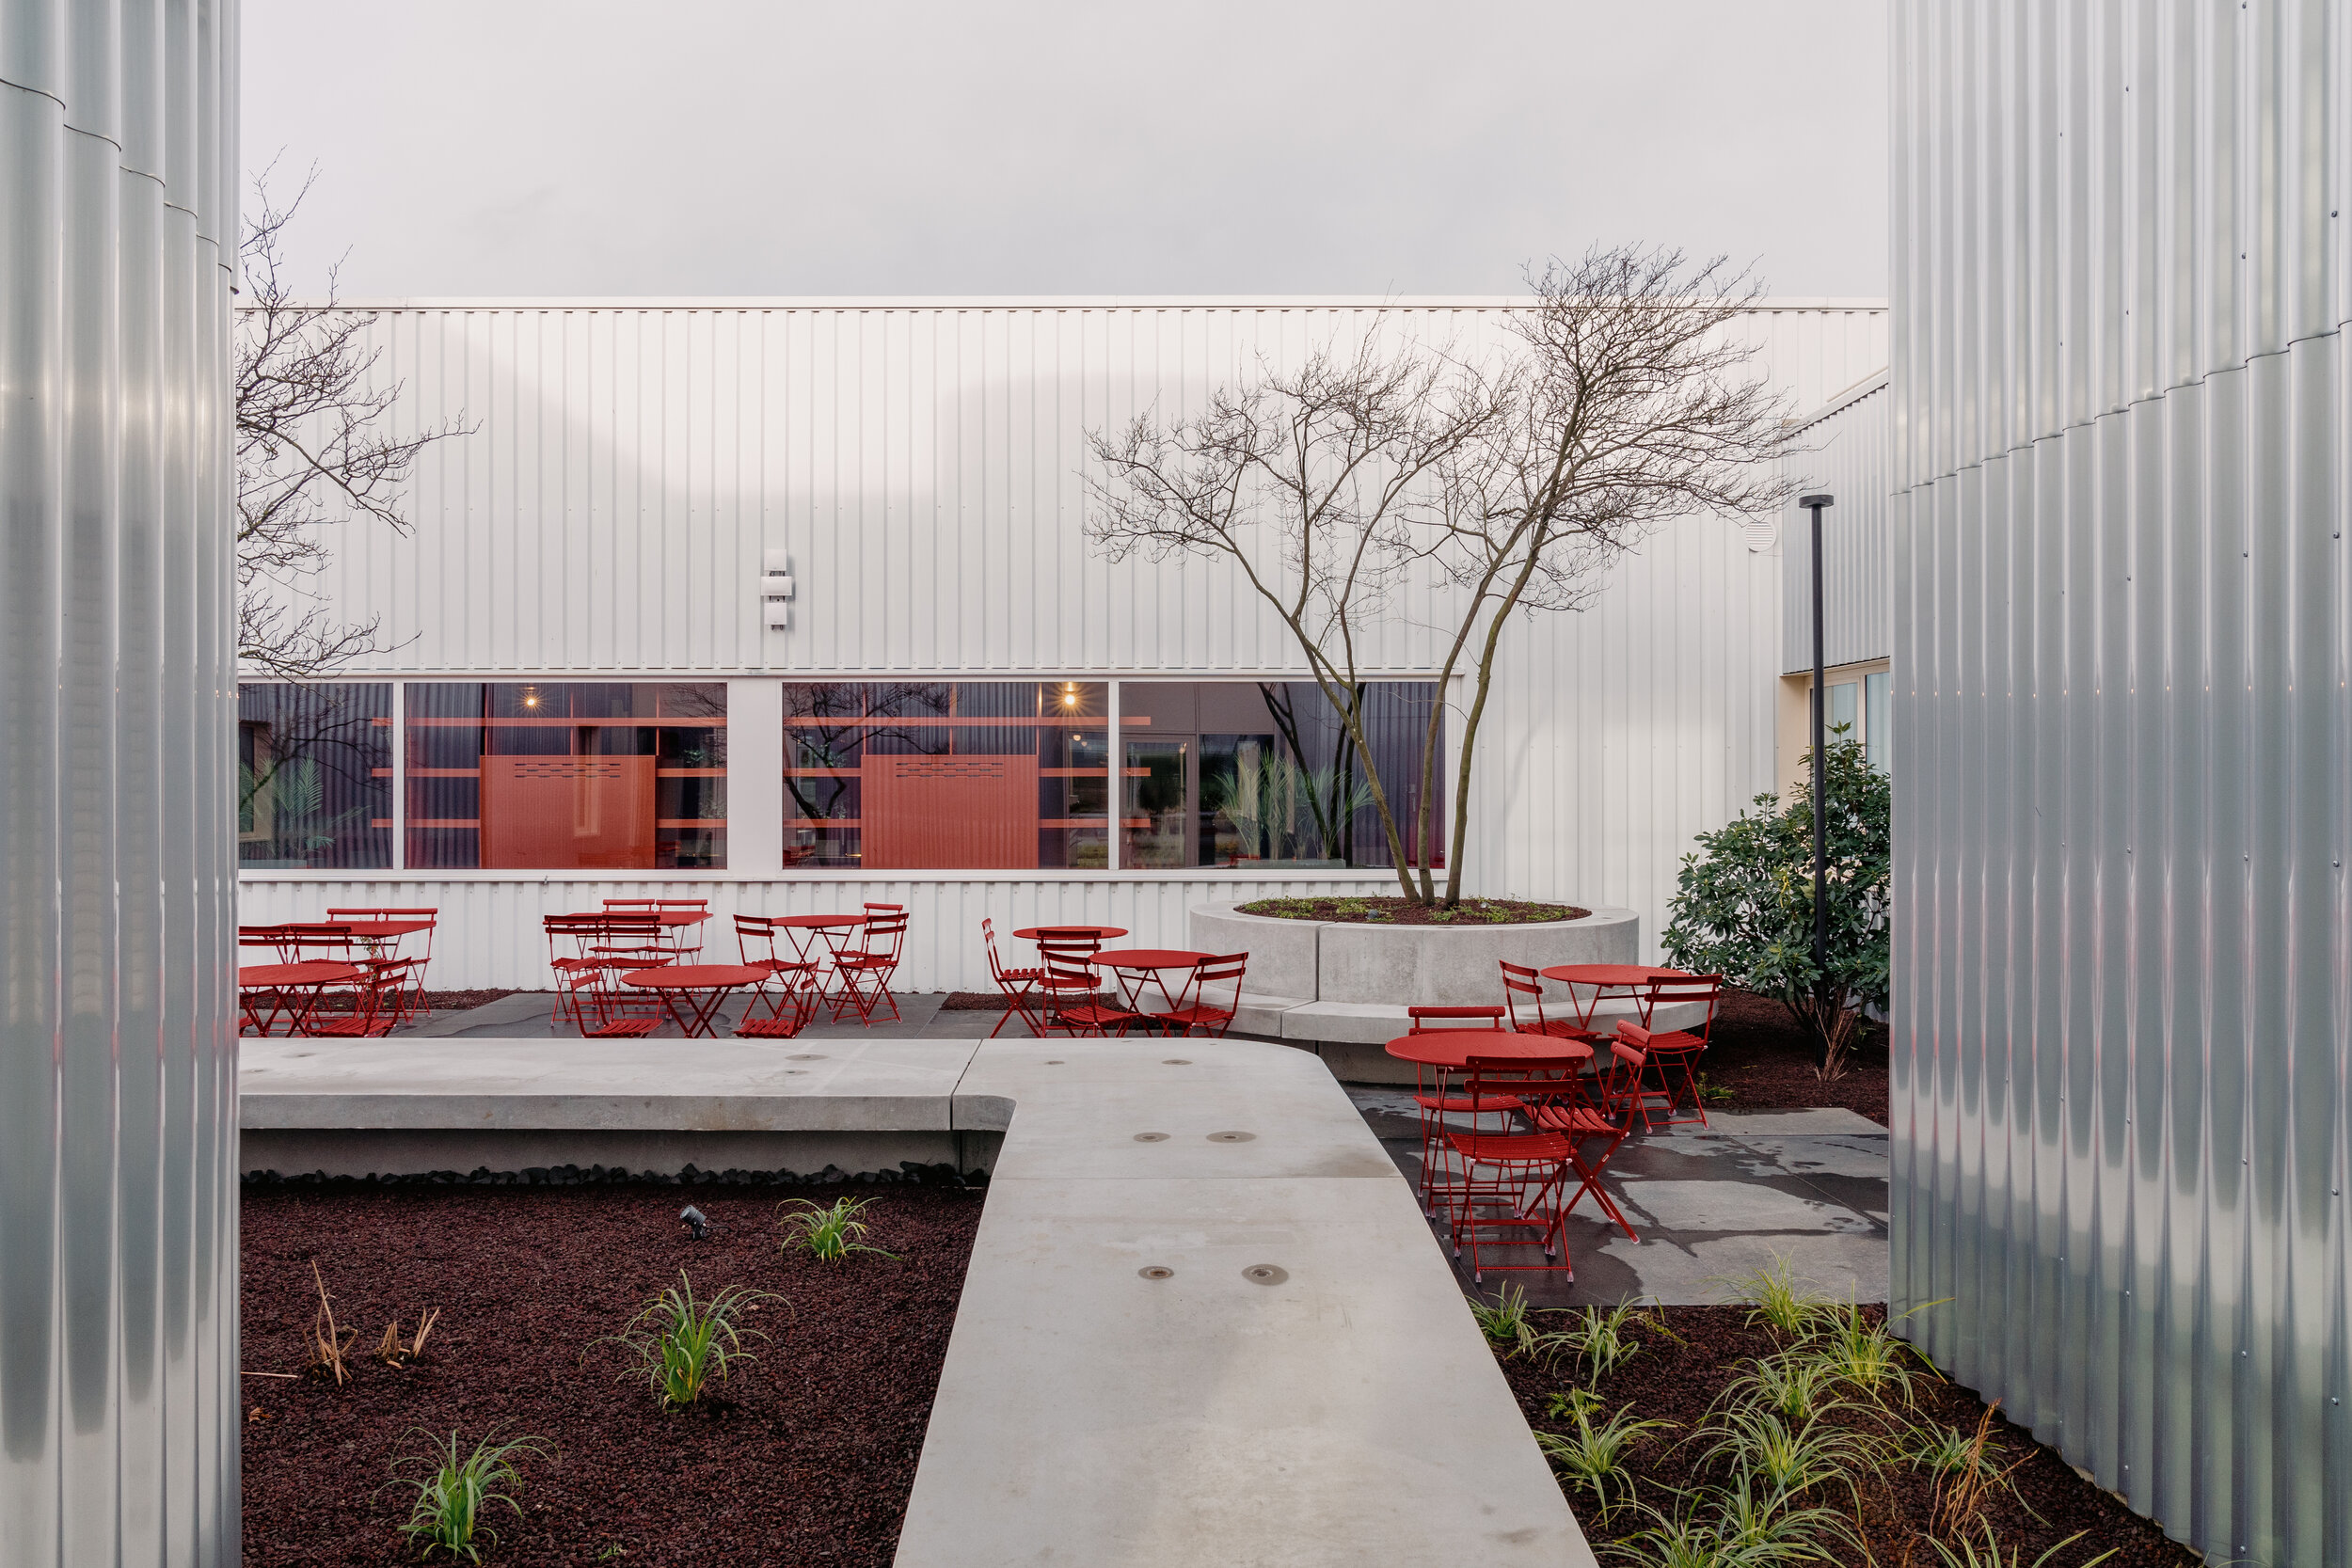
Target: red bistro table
1450	1049
1629	978
278	982
700	987
1135	965
1100	933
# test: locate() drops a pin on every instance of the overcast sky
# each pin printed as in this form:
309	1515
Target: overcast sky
712	147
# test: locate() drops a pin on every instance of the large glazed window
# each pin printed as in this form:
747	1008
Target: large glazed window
946	775
314	777
555	776
1262	775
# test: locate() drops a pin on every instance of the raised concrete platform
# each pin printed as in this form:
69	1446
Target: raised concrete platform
1204	1322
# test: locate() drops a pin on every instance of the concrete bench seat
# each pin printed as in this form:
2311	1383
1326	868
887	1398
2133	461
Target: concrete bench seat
1304	1384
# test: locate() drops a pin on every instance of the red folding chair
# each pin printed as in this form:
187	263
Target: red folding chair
377	1007
798	990
1433	1099
1508	1182
1670	1083
681	938
866	971
591	993
1199	1005
1070	992
1524	987
1020	986
1617	1091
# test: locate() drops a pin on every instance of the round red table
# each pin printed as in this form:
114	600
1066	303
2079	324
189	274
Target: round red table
279	982
700	986
1134	965
1100	933
1450	1049
1604	978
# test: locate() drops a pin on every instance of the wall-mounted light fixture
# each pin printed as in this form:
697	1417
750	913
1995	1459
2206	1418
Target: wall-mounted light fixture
775	588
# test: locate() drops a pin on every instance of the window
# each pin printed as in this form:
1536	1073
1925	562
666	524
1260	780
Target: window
1264	775
314	776
552	776
1877	719
946	775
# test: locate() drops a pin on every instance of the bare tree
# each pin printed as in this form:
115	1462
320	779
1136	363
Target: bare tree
1634	400
1625	398
315	446
1311	481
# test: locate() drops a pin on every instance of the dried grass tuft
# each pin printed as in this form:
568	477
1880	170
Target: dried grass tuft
328	1341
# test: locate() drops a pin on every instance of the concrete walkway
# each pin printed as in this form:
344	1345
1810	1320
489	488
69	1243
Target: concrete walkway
1708	1203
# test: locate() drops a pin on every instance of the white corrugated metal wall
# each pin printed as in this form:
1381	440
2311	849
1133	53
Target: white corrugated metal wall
1844	453
920	462
2123	613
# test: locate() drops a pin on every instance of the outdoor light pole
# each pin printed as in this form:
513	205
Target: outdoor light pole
1816	505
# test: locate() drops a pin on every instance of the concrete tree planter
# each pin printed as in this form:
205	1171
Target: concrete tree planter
1341	988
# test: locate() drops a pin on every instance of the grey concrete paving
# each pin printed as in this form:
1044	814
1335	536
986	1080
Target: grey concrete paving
1708	1203
533	1012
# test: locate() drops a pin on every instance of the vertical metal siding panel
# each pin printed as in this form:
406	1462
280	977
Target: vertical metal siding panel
2175	716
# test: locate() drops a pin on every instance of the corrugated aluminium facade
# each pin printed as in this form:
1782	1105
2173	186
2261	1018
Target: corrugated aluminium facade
119	1416
1842	450
2124	633
630	464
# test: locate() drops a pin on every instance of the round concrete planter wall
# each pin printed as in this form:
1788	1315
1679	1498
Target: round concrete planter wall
1404	965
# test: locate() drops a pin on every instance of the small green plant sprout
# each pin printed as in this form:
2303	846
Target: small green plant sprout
1715	1094
1509	1325
1571	1404
1966	1466
1985	1551
1861	1354
456	1490
1780	1301
1741	1530
1763	1449
827	1232
1599	1340
1793	1385
1594	1455
683	1345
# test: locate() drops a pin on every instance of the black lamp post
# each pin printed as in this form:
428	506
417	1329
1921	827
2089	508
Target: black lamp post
1816	505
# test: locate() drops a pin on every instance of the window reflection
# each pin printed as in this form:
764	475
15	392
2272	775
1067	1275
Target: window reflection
315	770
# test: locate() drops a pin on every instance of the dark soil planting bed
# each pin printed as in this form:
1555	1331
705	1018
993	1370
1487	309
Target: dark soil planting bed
1393	910
1761	1059
1888	1509
806	1455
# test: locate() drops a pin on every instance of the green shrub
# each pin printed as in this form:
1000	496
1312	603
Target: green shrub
1743	906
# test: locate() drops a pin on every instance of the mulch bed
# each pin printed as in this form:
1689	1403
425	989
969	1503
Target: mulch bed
1395	911
805	1456
1764	1059
1678	1381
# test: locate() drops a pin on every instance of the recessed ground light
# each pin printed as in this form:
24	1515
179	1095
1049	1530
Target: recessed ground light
796	1072
1265	1273
1150	1137
1231	1137
1056	1061
1177	1061
1158	1272
807	1057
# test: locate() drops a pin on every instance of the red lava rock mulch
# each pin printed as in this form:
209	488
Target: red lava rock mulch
975	1002
1678	1381
435	1001
1765	1058
805	1456
1395	911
